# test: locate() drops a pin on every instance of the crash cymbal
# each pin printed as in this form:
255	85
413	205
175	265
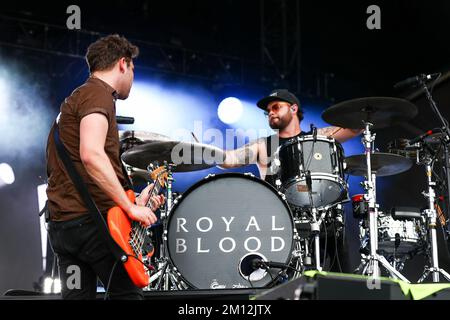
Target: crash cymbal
186	156
383	164
382	112
143	136
131	138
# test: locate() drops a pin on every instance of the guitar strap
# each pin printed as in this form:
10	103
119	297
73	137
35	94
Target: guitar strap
117	251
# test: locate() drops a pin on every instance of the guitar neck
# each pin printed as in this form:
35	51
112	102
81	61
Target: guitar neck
153	192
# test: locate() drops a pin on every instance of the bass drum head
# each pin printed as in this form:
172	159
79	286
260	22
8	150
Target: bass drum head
221	223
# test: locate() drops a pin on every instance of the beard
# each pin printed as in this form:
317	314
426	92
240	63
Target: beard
279	123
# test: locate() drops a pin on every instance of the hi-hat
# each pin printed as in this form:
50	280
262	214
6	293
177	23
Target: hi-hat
186	156
383	164
381	112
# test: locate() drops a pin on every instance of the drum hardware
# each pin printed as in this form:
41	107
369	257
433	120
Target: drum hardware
369	114
370	263
431	215
165	275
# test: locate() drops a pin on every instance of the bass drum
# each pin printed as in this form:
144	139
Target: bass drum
222	225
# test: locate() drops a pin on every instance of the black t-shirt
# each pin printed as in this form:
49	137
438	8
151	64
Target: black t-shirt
270	178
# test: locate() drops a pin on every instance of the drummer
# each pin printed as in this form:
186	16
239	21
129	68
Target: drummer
285	115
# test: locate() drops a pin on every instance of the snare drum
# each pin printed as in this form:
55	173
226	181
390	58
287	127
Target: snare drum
220	224
324	158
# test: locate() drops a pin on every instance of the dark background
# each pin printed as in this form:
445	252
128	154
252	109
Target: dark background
320	50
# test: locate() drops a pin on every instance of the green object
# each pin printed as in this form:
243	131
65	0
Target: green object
415	291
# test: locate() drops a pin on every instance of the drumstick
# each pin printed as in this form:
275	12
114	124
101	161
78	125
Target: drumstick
193	135
336	131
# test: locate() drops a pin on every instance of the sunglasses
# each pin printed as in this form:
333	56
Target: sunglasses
275	108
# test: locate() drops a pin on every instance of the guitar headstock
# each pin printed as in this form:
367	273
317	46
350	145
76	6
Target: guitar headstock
160	174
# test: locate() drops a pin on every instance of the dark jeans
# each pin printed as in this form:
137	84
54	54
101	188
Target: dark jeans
82	257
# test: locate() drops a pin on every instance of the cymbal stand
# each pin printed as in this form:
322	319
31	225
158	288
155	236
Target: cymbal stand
371	263
432	224
167	277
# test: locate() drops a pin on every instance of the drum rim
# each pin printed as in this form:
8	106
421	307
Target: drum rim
309	137
212	177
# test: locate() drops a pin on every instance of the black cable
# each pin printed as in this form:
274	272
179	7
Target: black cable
336	248
112	271
335	251
250	281
292	268
109	280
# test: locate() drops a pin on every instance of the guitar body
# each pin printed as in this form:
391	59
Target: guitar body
120	227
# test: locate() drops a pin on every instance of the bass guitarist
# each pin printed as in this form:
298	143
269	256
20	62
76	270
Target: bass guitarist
88	130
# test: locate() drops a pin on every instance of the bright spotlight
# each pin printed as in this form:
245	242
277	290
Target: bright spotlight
230	110
51	285
6	174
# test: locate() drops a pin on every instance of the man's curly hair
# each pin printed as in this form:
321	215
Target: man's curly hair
105	52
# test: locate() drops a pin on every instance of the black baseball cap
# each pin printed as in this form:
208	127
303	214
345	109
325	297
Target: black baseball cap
278	95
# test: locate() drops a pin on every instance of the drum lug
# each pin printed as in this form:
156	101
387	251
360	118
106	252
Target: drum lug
278	183
249	174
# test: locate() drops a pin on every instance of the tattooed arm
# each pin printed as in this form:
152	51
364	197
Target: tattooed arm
340	134
245	155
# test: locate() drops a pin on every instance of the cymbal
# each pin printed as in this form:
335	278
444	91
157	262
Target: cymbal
131	138
382	112
139	176
186	156
383	164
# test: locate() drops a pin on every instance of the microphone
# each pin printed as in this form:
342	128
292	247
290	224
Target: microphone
124	120
423	136
414	80
249	267
260	264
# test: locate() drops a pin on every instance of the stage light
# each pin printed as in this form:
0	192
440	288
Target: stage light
230	110
51	285
47	287
167	109
6	174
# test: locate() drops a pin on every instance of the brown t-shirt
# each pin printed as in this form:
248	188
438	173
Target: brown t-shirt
64	201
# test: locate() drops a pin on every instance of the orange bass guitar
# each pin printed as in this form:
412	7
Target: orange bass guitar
131	235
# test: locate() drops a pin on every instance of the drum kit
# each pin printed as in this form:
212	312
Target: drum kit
235	230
